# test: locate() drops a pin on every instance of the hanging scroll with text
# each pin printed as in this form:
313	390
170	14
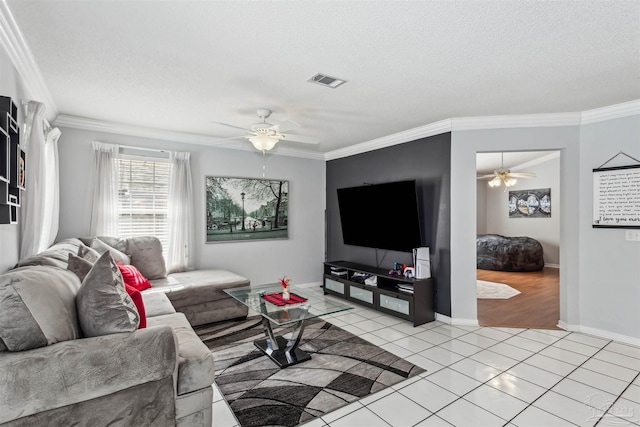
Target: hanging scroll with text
616	197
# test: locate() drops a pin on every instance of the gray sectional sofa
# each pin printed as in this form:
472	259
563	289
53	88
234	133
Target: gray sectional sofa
50	374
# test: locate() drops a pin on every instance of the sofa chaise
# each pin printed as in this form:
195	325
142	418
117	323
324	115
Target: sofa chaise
52	373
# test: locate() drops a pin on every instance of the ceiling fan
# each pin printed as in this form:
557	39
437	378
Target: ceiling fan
264	136
505	176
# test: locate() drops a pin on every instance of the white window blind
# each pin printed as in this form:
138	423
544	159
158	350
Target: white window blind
143	193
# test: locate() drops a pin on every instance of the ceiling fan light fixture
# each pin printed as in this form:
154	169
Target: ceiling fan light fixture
510	182
264	142
495	182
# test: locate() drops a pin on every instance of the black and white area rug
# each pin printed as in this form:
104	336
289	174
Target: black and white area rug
343	368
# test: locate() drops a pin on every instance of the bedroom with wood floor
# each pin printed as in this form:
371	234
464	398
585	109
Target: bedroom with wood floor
537	305
516	180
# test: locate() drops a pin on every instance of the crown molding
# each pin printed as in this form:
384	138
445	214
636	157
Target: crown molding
459	124
431	129
611	112
19	53
493	122
84	123
515	121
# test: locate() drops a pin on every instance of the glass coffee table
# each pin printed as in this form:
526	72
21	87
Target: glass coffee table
285	352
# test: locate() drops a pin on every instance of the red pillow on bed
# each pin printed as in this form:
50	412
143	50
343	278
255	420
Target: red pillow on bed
136	296
133	277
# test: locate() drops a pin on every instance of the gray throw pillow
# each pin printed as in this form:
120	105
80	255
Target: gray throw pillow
119	257
146	256
88	253
79	266
103	304
37	307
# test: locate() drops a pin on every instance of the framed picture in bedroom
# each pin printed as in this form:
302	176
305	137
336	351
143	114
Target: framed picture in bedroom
240	209
530	203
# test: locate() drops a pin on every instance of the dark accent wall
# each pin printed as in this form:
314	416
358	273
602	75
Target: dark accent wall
428	162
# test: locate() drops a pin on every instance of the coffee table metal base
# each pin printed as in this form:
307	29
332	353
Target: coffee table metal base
282	356
282	351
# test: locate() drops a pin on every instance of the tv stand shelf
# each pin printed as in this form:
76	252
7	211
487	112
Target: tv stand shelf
417	307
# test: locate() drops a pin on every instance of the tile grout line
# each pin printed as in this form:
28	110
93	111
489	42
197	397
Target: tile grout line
616	399
521	361
346	415
549	389
502	372
483	383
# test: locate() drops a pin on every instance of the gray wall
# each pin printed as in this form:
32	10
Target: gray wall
481	207
464	146
599	270
428	162
299	257
545	230
609	265
10	85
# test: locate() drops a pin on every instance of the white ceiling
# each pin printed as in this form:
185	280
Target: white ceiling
179	65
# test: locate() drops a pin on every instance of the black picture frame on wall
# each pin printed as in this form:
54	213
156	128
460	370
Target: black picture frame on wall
240	209
530	203
616	197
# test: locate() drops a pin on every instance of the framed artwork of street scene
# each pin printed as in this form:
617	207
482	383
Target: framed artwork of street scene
246	209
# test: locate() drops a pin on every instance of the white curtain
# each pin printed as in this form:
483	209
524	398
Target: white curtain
104	213
52	187
39	205
180	213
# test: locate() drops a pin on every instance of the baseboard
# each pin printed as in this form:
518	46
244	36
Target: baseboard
600	333
307	285
456	321
442	318
465	322
552	265
562	325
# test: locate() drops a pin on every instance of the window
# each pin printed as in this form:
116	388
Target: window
143	194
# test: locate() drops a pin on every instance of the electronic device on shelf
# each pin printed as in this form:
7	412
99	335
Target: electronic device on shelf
336	271
404	287
371	281
359	277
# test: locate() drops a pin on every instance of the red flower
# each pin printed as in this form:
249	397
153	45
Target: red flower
284	282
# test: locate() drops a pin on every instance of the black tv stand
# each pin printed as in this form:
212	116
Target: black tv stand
417	307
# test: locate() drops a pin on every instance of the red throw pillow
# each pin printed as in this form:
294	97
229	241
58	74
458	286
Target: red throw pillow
136	296
133	277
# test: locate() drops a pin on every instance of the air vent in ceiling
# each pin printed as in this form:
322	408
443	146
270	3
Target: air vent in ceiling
327	81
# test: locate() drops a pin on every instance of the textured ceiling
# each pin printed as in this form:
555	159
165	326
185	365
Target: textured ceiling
179	65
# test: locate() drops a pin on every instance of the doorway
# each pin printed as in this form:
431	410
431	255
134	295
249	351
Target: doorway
537	300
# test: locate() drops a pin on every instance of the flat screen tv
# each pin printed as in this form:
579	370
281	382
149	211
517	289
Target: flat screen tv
383	216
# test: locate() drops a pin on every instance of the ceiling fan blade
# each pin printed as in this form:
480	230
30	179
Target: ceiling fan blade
232	126
285	126
216	138
300	138
486	176
522	175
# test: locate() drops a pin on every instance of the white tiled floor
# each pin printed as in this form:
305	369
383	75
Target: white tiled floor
488	377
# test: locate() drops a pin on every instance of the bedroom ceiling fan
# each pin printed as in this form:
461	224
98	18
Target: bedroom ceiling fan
505	176
264	136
